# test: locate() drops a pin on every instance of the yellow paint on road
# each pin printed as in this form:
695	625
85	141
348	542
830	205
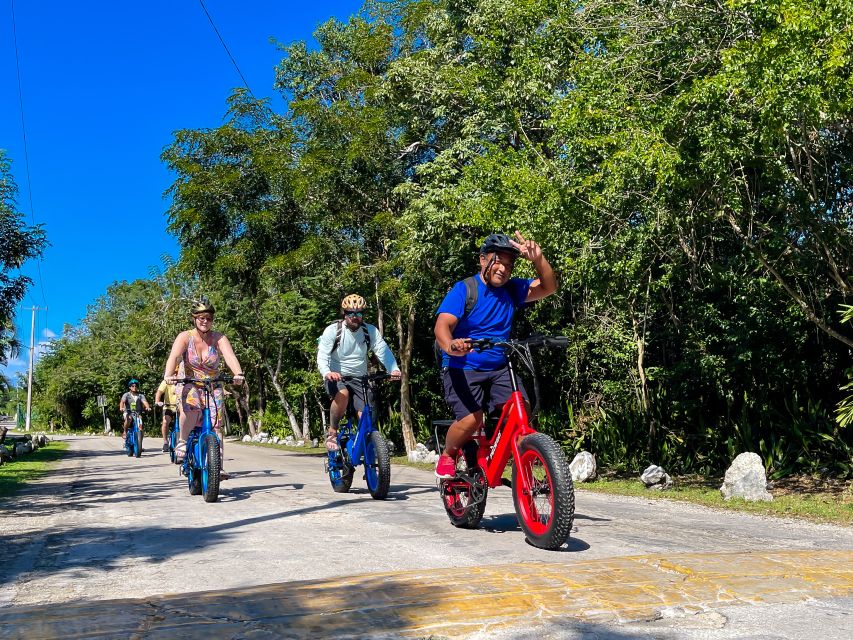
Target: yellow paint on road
455	602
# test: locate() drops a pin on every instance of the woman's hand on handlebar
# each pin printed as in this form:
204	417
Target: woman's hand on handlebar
332	376
239	379
396	374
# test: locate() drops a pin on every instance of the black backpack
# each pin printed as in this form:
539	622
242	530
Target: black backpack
372	359
339	331
471	293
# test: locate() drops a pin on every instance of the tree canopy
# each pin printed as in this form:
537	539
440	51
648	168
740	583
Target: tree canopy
686	168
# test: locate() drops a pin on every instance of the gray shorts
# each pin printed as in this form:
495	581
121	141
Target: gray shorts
468	391
358	396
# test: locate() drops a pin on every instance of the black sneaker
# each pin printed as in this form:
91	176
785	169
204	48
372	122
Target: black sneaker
165	447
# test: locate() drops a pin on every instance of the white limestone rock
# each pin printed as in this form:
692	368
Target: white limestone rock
746	479
583	467
654	477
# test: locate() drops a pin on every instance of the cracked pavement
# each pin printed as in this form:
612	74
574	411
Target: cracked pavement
109	546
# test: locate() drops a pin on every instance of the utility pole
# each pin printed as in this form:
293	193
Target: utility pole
30	375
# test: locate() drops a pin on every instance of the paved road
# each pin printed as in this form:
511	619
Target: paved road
280	550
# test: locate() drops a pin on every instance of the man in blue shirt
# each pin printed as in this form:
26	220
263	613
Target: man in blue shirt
474	380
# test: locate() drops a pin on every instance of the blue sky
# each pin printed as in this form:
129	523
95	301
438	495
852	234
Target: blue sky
104	85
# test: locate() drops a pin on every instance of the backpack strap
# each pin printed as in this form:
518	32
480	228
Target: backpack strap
471	293
339	331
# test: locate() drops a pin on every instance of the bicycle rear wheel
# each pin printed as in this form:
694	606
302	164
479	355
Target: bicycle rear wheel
464	501
340	470
211	466
377	466
546	507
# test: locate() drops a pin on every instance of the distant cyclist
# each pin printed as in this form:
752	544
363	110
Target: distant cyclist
132	400
166	399
343	351
478	380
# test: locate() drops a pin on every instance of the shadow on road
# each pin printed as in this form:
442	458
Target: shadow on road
360	607
113	544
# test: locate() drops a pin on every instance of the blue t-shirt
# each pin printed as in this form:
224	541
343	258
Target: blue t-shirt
491	317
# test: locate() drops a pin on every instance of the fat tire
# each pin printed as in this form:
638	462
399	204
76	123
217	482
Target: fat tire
194	482
553	532
137	443
211	456
345	482
463	514
382	468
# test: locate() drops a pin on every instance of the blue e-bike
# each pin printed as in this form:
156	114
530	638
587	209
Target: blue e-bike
202	461
361	443
133	439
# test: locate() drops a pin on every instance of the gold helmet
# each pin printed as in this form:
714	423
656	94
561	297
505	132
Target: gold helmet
353	302
202	306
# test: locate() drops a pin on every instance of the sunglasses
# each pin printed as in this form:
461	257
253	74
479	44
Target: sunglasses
354	314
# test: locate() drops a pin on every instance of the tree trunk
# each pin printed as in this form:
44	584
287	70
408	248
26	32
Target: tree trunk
294	425
405	339
380	315
306	418
322	413
262	391
240	413
243	400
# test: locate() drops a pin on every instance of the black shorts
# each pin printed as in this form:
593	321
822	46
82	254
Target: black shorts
357	399
169	413
468	391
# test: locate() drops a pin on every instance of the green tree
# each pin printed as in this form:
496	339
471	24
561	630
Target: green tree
18	243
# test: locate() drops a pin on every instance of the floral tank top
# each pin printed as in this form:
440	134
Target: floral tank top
197	364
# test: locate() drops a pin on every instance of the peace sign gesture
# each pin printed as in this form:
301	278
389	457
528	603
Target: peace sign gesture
529	249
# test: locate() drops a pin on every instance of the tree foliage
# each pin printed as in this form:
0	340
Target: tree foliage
18	243
686	168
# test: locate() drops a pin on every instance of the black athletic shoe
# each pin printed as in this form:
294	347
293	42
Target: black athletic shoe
165	447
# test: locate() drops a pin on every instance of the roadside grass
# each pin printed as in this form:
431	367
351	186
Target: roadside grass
308	451
14	475
808	498
805	497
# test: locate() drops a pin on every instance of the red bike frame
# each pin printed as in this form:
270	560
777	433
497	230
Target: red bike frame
514	424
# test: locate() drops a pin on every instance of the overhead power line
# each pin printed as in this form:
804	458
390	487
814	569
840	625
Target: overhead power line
26	146
225	46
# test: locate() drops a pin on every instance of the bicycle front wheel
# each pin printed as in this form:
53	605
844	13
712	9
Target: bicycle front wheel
543	492
377	466
137	442
211	465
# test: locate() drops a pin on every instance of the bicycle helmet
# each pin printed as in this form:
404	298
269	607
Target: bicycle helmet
133	381
353	302
202	306
498	242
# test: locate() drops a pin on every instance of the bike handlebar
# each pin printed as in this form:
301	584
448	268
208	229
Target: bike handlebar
371	377
483	344
222	377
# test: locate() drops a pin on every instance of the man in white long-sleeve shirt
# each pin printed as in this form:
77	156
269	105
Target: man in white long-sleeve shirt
343	351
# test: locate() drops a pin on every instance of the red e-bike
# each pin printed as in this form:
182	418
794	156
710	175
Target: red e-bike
542	489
